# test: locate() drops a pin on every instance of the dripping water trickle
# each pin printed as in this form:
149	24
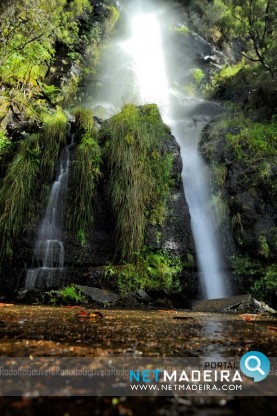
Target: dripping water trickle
48	258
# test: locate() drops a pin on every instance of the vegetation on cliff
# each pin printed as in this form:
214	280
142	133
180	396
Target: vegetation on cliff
240	146
139	173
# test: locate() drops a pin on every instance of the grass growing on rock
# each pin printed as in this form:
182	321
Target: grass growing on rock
16	192
36	153
52	138
140	172
85	174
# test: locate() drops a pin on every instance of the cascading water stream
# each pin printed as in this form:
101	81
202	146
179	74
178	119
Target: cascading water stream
144	74
49	246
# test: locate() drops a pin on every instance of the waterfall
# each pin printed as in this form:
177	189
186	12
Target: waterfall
144	75
49	247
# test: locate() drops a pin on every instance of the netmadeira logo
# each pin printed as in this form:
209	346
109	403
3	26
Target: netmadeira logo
255	364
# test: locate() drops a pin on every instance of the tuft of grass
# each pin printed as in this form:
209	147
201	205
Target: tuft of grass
4	143
84	177
219	174
84	121
138	182
255	141
85	174
112	19
52	138
39	152
16	192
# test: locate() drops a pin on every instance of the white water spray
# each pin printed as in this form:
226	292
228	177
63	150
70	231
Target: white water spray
144	55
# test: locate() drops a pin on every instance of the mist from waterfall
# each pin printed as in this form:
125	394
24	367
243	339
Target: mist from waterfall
139	68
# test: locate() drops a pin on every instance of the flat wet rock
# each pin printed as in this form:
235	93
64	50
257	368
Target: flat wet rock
237	304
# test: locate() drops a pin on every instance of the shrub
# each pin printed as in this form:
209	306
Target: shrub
150	271
67	295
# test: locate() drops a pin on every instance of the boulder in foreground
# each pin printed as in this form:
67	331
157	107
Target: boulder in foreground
234	304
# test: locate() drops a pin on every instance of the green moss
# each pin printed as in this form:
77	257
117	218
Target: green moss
150	271
140	172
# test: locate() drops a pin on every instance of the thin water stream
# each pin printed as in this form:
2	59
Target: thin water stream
49	247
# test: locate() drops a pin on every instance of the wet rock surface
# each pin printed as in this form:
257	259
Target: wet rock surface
58	331
99	296
236	304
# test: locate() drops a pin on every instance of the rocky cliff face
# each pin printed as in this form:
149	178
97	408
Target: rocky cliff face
85	264
245	197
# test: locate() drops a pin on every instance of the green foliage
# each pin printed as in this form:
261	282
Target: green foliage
219	207
256	278
264	250
218	78
254	141
30	31
37	152
219	173
183	30
16	192
244	267
84	120
150	271
140	173
198	75
112	20
189	262
67	295
266	288
85	174
4	144
52	138
254	22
